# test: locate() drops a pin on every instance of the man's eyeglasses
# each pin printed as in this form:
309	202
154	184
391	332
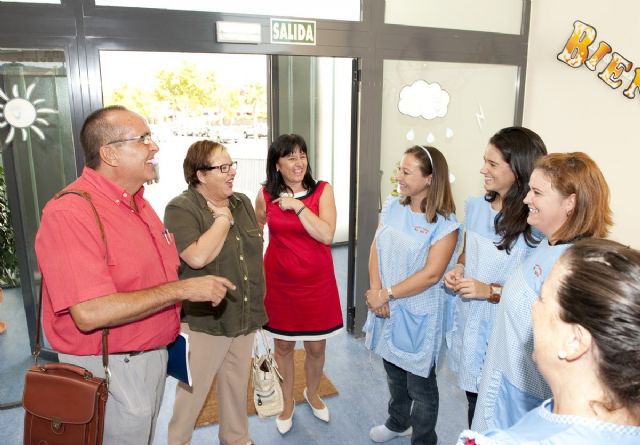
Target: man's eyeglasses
224	168
146	139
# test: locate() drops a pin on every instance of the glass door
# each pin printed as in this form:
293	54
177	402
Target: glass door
312	97
242	101
186	97
316	97
38	159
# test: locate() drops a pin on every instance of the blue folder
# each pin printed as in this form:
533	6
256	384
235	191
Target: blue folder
178	363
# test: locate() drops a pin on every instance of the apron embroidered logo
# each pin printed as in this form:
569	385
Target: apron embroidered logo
537	270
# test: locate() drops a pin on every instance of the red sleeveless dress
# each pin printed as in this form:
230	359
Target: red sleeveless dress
302	299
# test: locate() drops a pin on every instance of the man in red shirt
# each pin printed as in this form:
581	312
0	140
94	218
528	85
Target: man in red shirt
127	283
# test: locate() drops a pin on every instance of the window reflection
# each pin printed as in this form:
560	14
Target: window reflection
503	16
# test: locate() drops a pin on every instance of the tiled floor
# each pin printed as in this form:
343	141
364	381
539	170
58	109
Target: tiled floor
361	403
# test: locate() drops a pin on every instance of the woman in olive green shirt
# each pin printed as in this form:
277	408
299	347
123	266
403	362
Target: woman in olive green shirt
216	233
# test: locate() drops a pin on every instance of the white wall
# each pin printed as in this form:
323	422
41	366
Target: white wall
473	89
574	110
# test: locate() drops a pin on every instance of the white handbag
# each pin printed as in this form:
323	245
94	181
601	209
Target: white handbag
267	392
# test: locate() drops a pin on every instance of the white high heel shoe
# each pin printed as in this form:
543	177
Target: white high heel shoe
322	413
284	425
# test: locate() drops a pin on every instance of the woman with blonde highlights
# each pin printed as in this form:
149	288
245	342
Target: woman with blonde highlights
568	200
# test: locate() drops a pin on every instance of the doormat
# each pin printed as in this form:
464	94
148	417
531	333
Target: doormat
209	412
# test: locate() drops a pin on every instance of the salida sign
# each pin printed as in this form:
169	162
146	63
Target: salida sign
576	54
293	32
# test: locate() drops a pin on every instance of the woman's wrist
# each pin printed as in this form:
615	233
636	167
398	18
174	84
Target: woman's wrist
495	293
299	211
224	215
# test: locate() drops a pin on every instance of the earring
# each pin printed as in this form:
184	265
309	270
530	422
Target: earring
573	345
562	354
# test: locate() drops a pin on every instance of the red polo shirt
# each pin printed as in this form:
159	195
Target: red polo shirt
76	265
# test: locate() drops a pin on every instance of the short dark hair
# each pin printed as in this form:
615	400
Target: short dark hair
198	158
439	199
576	173
96	132
282	146
601	292
519	147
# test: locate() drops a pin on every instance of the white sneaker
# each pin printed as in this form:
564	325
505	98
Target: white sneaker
381	433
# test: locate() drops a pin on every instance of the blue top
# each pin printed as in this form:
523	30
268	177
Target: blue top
542	427
472	319
411	338
511	384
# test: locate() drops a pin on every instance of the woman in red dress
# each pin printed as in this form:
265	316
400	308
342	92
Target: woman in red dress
302	296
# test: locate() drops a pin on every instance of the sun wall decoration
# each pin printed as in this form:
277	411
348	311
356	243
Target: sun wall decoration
22	114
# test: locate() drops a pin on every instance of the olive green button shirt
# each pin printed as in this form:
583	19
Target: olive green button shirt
187	217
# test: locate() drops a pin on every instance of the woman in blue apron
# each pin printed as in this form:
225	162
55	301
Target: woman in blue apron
497	239
568	200
411	251
586	327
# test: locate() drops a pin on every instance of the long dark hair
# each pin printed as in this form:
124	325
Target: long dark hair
519	147
601	292
282	146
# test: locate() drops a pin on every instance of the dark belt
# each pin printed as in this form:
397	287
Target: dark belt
134	353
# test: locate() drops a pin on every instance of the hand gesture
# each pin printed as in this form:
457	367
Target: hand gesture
207	288
375	299
217	211
383	311
472	288
288	203
452	277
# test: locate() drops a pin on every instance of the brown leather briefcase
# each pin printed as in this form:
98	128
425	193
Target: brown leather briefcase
64	404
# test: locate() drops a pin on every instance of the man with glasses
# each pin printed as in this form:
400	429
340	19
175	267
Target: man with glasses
118	271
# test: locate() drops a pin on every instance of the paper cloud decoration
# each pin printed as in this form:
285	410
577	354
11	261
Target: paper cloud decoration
423	99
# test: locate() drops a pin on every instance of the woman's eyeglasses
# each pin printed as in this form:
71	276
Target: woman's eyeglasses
224	168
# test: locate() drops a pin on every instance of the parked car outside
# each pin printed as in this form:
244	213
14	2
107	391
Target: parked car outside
256	131
225	134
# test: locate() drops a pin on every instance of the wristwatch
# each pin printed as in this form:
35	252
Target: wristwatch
495	292
390	294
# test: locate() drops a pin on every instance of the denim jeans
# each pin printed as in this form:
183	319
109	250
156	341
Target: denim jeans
414	402
472	398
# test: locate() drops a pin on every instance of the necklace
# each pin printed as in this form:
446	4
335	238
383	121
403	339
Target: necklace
293	195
